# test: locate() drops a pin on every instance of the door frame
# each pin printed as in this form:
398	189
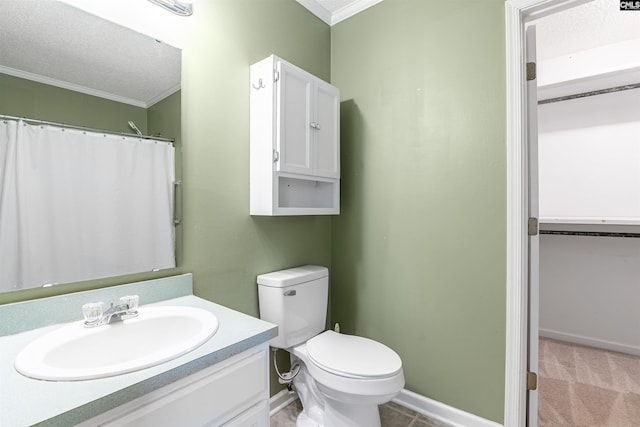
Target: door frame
517	14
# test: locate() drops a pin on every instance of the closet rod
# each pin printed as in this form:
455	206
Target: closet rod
592	93
590	233
88	129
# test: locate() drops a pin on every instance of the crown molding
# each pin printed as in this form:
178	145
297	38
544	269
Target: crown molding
332	18
71	86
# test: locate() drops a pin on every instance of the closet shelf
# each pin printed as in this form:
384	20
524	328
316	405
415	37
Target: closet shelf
611	227
590	221
593	70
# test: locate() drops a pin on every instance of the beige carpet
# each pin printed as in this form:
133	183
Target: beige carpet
583	386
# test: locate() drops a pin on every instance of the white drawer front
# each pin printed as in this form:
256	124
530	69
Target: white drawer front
258	416
210	397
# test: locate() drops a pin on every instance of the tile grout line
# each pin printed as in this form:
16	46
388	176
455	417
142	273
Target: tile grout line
405	411
414	421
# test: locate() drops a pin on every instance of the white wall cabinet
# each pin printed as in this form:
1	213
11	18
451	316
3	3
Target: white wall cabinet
232	393
295	141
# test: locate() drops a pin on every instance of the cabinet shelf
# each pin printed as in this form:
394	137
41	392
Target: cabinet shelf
312	196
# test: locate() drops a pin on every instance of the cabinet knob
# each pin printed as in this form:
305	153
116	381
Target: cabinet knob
315	125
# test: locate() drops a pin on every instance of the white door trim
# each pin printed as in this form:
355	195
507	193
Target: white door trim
515	405
517	13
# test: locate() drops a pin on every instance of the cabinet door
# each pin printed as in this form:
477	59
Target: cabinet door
209	397
293	110
326	151
258	416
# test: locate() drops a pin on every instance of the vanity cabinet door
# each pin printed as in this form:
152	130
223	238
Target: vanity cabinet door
234	390
257	416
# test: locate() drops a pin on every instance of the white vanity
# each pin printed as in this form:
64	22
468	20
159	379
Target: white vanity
223	382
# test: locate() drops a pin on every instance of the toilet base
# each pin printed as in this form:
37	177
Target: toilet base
304	421
345	416
324	409
337	414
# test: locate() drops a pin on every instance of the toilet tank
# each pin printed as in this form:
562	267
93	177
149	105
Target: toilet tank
296	301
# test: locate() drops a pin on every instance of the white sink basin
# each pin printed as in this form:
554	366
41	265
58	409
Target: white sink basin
158	334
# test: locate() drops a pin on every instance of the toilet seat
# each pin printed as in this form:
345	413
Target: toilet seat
353	356
347	387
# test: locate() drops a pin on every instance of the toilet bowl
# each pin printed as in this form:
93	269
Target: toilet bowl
353	375
341	378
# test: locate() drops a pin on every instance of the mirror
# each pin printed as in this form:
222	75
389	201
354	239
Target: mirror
61	64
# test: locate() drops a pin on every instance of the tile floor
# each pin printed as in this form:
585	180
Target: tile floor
391	415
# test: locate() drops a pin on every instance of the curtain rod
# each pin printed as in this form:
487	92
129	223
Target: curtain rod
590	233
592	93
66	126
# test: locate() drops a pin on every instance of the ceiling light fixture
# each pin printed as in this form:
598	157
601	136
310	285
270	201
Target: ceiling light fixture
182	8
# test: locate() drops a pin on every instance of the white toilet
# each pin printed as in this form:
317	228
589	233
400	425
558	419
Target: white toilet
341	378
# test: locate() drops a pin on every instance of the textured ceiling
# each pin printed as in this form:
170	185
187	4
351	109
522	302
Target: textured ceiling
55	43
591	25
76	49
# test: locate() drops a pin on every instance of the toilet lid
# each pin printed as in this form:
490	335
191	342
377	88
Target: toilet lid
353	356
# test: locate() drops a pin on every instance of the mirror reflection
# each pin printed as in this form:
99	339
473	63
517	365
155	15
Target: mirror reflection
64	66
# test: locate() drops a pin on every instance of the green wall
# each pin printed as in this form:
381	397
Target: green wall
26	98
418	252
224	247
161	117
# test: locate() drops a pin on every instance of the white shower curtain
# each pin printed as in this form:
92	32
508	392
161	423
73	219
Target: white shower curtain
78	205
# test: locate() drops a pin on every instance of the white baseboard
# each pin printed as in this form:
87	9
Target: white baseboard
431	408
441	412
590	341
280	400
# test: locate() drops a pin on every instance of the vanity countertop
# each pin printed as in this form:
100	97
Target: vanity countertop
25	401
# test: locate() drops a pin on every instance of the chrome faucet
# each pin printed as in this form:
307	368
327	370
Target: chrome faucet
126	308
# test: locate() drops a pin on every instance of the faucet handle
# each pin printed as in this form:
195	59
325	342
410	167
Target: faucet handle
131	301
92	312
